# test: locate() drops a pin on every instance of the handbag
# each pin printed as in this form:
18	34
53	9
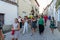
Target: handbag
13	32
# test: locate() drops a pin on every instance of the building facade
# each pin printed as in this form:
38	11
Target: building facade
8	12
58	12
25	7
47	10
35	6
58	16
53	11
11	9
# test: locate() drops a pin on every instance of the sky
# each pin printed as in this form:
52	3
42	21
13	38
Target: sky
43	4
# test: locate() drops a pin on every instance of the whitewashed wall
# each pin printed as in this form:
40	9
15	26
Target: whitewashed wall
52	11
58	14
24	5
10	12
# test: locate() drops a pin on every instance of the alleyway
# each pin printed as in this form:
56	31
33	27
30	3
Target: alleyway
46	36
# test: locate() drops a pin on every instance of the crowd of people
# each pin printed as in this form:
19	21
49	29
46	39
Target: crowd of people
35	22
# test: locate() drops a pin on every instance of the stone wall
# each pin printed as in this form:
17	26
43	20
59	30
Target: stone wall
7	28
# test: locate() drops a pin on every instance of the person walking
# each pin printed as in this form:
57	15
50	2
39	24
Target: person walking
45	19
42	15
15	30
41	25
34	26
25	27
38	21
1	33
49	17
20	21
52	24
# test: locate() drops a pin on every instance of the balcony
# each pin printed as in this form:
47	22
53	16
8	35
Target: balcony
14	2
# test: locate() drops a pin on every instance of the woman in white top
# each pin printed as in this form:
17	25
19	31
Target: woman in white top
15	30
25	27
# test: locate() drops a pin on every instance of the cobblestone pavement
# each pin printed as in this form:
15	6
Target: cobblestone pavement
46	36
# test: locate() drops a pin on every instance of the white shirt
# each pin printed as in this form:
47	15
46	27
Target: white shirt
15	25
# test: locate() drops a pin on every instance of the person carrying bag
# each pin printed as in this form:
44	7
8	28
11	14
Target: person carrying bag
52	24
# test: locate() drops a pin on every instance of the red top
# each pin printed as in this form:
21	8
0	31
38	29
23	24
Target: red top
45	17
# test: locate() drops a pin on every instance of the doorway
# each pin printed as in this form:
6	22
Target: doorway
1	19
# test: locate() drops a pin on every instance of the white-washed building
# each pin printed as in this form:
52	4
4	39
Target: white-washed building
25	7
58	12
58	16
8	11
47	10
52	9
35	6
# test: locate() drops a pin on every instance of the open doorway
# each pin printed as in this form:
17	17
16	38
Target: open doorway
1	19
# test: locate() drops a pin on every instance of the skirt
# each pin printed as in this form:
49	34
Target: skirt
41	28
52	25
34	25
